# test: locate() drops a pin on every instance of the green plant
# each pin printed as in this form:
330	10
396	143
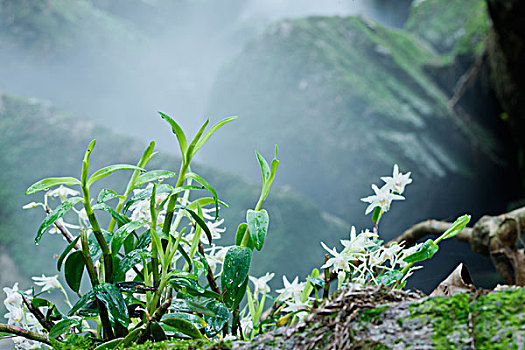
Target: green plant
152	272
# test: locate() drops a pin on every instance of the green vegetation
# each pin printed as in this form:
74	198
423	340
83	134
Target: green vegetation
39	140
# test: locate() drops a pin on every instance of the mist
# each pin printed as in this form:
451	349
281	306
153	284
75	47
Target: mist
168	65
166	56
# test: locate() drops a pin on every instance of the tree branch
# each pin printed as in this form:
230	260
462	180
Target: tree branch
29	335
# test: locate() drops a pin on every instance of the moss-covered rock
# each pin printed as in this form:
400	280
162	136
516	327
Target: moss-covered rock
452	27
345	98
52	28
38	140
379	319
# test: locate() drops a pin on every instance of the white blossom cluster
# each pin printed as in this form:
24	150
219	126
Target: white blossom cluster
18	315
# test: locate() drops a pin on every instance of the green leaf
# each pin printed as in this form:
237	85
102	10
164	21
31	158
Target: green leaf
66	252
122	233
131	259
318	281
192	287
184	326
133	287
106	195
390	277
265	168
456	228
235	273
216	323
184	305
111	297
198	322
177	130
212	130
146	193
121	219
109	344
73	270
45	184
376	214
61	328
204	201
154	175
191	148
157	332
199	221
241	229
99	174
258	225
129	339
87	298
56	214
185	256
426	251
209	187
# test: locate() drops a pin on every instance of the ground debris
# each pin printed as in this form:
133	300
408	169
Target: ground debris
379	318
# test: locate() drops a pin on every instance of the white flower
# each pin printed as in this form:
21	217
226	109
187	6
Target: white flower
32	205
382	198
358	244
15	316
14	298
22	343
339	261
260	284
407	252
390	253
296	305
246	324
216	257
291	290
398	181
47	283
62	192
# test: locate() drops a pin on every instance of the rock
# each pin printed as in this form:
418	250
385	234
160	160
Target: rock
380	319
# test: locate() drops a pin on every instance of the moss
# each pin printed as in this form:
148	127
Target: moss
491	321
357	88
460	27
449	318
372	315
183	345
499	320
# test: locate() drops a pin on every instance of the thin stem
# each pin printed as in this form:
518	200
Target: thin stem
106	254
87	259
326	287
30	335
38	315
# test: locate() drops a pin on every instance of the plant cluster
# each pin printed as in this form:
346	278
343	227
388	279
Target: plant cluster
154	268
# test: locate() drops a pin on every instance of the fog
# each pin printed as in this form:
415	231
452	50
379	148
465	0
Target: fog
160	56
169	67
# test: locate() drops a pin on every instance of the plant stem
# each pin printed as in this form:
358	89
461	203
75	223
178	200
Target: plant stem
30	335
209	274
87	259
326	287
106	254
38	315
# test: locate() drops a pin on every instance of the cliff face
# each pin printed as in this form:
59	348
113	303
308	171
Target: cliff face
37	140
345	98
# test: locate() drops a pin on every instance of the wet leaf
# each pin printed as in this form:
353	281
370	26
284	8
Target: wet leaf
56	214
258	225
74	269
